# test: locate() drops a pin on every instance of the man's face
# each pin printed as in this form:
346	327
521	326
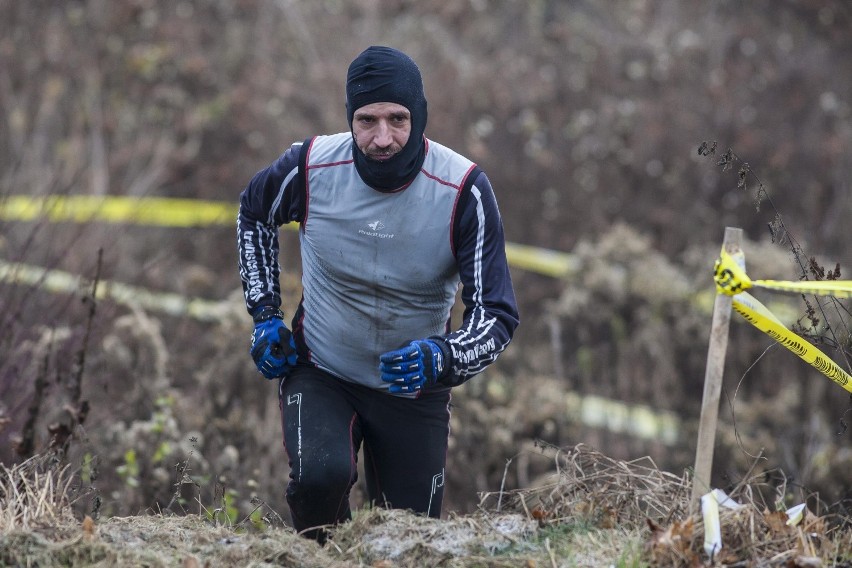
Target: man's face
381	129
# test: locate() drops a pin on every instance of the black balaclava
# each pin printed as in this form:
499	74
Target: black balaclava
386	75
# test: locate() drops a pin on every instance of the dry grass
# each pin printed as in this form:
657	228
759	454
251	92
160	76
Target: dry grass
33	494
599	489
611	494
592	511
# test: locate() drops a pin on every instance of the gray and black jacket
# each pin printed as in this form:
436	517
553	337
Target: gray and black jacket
380	269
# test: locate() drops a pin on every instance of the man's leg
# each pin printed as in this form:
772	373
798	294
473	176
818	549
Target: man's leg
405	450
321	438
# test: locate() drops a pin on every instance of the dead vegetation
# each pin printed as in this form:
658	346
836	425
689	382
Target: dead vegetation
636	496
33	495
593	511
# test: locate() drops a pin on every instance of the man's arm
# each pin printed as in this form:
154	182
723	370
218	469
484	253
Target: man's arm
274	196
491	311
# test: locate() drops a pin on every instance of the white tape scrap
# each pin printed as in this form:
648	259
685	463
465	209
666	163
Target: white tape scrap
796	514
712	525
710	503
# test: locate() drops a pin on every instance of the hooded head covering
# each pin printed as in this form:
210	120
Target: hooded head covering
386	75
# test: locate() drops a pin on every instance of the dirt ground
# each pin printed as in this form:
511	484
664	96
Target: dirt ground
595	511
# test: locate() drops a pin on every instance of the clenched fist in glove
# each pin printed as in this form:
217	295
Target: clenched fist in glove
272	345
417	365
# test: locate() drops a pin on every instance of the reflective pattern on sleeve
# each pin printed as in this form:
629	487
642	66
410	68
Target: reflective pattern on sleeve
473	348
259	270
266	202
491	316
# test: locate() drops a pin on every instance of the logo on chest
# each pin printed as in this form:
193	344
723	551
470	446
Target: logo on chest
375	229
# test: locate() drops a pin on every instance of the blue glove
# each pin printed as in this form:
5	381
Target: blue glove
415	366
272	345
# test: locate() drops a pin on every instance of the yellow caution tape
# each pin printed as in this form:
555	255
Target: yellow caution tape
729	274
158	211
751	304
542	261
760	317
172	212
732	280
640	421
594	411
836	288
58	281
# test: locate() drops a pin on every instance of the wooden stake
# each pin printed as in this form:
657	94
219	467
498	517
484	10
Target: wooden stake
713	378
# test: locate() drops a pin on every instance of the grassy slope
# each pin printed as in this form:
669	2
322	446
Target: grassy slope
594	512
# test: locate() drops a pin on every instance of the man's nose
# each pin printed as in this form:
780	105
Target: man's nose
383	135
